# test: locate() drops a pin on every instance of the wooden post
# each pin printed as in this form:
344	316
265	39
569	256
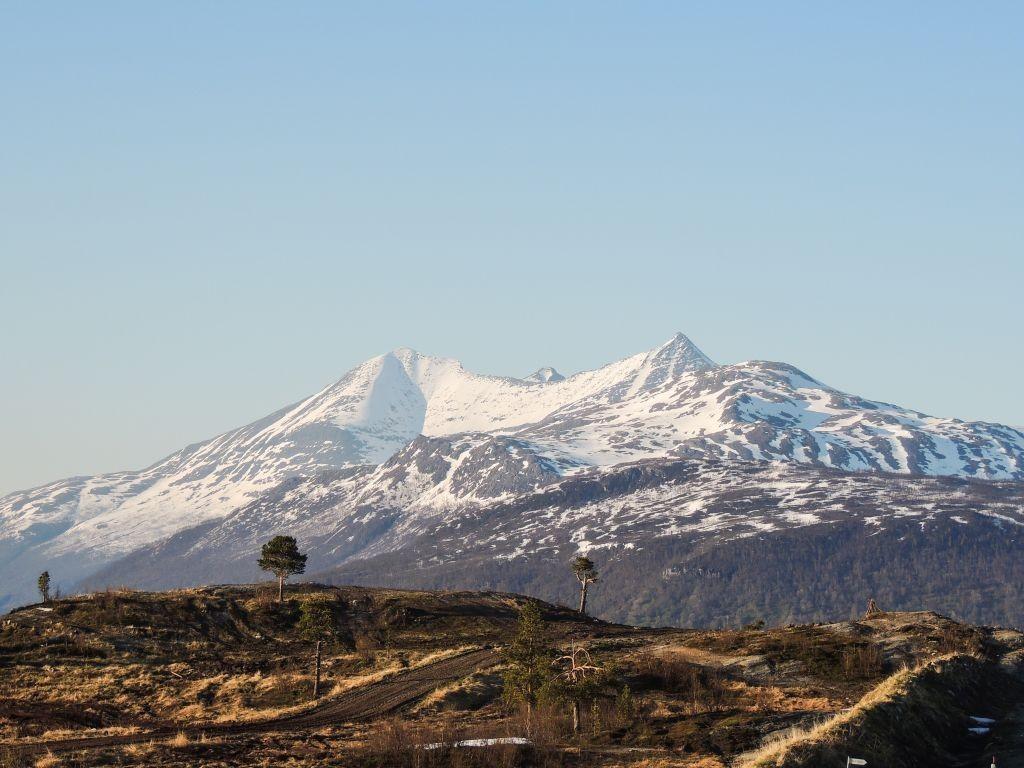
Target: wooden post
316	677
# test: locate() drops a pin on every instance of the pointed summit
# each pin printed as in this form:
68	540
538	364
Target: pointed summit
546	375
680	354
676	357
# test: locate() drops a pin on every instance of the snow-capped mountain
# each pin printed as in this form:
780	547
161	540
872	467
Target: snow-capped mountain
544	376
672	401
496	496
440	514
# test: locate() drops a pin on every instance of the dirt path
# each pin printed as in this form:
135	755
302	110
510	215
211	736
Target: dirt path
364	703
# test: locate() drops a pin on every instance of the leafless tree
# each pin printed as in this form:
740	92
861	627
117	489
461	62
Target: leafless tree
579	672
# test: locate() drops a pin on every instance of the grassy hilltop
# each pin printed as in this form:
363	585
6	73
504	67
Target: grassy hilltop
223	676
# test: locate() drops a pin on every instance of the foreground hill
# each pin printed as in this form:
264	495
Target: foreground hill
220	676
492	438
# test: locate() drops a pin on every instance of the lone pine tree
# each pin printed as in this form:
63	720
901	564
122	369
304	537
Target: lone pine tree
44	585
281	557
586	574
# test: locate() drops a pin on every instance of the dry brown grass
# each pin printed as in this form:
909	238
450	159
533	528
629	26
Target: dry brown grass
696	695
237	698
706	762
863	662
705	689
179	740
445	653
70	733
692	654
229	697
832	730
140	690
265	596
49	760
126	687
774	698
776	745
399	744
439	694
679	762
131	690
140	750
471	685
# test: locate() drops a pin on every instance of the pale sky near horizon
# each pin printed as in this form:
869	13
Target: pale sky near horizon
211	210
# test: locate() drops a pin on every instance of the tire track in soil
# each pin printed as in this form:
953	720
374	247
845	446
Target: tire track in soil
367	702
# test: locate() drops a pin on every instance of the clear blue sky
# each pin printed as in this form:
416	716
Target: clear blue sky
209	210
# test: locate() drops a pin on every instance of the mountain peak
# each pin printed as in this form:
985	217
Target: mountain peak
405	353
545	375
681	354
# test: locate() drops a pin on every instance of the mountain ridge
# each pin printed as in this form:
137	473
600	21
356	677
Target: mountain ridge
669	402
660	529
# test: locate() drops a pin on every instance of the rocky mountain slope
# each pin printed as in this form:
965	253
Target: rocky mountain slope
679	540
356	445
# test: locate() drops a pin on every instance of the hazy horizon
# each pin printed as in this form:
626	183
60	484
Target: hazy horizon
212	212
